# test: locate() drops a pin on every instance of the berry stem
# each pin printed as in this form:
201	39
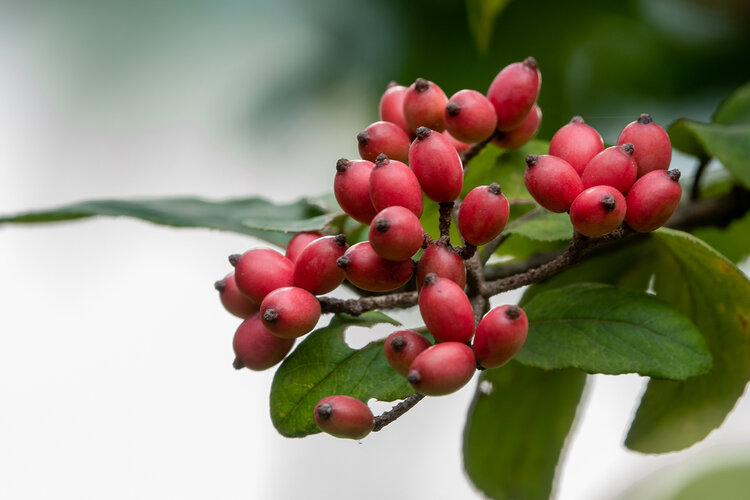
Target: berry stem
398	410
446	209
695	190
473	151
364	304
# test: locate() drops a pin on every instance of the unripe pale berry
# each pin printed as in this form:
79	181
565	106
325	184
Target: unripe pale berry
500	335
260	271
483	214
552	182
459	145
653	199
435	162
290	312
442	369
470	116
438	259
396	233
352	189
614	167
653	149
446	310
514	91
256	347
402	347
298	243
232	299
597	211
576	143
369	271
344	417
392	183
424	104
386	138
523	133
316	270
392	107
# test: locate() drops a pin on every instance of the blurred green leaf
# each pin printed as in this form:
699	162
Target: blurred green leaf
546	226
521	247
732	241
482	16
735	109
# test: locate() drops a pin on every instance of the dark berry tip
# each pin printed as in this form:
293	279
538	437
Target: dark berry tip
628	148
237	364
381	160
324	411
342	164
577	119
340	240
382	225
343	262
609	203
363	138
452	108
414	378
391	84
234	258
430	279
221	285
645	119
513	312
531	160
398	343
674	174
531	62
270	315
494	188
420	85
423	132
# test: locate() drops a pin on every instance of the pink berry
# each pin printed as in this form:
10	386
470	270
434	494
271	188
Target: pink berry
614	167
514	91
500	335
438	259
483	214
576	143
232	299
260	271
552	182
392	107
653	149
386	138
256	347
344	417
436	165
298	243
396	233
316	270
402	347
369	271
393	183
653	199
446	310
442	369
424	104
523	133
290	312
598	210
470	116
352	189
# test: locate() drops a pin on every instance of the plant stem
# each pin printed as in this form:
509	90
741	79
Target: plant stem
398	410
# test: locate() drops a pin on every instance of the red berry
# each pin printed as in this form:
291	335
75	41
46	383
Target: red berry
260	271
483	214
290	312
500	335
424	104
552	182
470	116
316	270
369	271
614	167
653	150
442	369
438	259
653	199
513	92
460	146
344	417
446	310
521	134
386	138
232	299
402	347
597	211
392	183
352	189
396	233
576	143
298	243
392	106
437	165
256	347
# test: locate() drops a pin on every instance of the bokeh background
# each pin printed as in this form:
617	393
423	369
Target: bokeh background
115	355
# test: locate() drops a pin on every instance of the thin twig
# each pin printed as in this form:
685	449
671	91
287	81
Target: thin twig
473	151
358	306
446	208
398	410
695	190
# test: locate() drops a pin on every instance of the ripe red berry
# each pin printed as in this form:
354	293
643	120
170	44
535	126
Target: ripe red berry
653	150
459	145
424	104
352	189
369	271
576	143
500	335
232	299
442	369
653	199
446	310
514	91
483	214
470	116
256	347
260	271
437	166
290	312
396	233
521	134
614	167
597	211
402	347
552	182
316	270
392	107
392	183
438	259
298	243
344	417
386	138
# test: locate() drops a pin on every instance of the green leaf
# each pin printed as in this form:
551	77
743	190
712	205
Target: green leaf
323	365
732	241
482	15
546	226
735	109
516	429
604	329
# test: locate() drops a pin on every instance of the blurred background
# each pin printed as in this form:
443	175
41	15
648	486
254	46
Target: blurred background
115	354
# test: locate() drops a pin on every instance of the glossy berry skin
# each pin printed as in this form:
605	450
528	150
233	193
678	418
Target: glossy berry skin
290	312
521	134
393	183
369	271
500	335
316	270
232	299
459	145
391	107
483	214
514	91
344	417
402	347
446	310
438	259
435	162
298	243
576	143
653	199
351	187
470	116
597	211
614	167
653	149
442	369
424	104
386	138
256	348
552	182
396	233
260	271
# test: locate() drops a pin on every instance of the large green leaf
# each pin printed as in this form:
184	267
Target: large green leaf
546	226
604	329
516	429
323	365
735	109
732	241
482	15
